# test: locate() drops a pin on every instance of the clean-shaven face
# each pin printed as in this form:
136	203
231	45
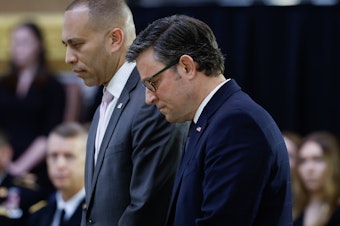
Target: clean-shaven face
65	162
86	49
172	97
25	47
312	167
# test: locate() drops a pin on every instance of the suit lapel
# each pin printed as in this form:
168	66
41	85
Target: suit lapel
47	219
216	101
90	149
119	108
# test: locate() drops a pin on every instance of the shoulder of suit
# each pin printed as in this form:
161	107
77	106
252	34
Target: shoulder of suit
37	206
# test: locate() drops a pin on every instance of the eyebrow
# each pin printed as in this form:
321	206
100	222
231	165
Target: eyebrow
171	64
71	41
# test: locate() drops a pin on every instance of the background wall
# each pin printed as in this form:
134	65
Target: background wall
47	14
7	6
50	23
286	58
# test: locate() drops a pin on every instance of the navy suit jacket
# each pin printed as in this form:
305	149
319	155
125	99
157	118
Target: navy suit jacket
44	216
235	171
132	181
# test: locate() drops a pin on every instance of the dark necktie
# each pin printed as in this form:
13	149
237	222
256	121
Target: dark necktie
191	128
61	213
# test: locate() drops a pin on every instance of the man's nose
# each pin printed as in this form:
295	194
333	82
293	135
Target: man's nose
150	96
70	58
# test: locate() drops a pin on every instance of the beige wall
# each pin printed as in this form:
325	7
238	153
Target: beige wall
47	14
33	5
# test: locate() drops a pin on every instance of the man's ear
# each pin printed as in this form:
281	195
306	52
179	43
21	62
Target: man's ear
115	39
187	65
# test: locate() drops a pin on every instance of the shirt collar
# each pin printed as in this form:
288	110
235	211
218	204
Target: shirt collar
70	205
206	100
118	81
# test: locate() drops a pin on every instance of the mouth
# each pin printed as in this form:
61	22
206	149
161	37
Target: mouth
160	108
78	71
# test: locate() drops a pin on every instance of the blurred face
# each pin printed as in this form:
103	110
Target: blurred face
65	162
173	94
5	157
86	50
25	47
291	148
312	167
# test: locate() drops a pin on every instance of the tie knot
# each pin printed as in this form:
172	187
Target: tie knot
107	97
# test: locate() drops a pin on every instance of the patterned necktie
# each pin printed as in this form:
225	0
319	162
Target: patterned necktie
107	98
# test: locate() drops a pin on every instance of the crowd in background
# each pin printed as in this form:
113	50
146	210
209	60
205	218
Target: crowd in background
37	105
34	102
315	175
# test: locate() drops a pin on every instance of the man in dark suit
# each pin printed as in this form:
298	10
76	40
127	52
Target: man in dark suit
132	151
235	168
66	147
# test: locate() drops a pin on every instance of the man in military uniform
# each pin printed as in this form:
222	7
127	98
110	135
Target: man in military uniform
18	195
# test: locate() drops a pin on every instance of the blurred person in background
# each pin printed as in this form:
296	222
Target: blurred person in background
293	141
66	148
32	102
318	181
17	194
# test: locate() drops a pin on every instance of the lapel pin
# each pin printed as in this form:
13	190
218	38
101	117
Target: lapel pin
120	105
198	129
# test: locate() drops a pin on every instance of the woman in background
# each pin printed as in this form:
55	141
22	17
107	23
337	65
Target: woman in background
32	101
318	181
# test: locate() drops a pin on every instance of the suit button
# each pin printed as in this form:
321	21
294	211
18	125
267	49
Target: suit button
90	222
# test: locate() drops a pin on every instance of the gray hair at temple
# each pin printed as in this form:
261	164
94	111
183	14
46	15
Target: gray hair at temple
173	36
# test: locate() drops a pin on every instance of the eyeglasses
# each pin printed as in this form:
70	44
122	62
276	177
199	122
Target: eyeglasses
152	85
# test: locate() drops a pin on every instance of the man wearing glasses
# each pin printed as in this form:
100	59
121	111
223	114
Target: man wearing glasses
235	168
132	152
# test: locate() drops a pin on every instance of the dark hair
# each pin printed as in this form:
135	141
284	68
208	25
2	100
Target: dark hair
42	70
173	36
37	32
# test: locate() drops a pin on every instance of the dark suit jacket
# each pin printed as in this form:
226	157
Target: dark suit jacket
333	221
28	197
24	119
235	171
44	216
132	181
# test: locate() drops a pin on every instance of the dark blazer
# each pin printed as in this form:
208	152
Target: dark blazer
44	216
25	119
333	221
132	181
28	196
235	171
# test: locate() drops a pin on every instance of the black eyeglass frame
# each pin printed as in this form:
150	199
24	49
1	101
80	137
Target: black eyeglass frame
150	85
